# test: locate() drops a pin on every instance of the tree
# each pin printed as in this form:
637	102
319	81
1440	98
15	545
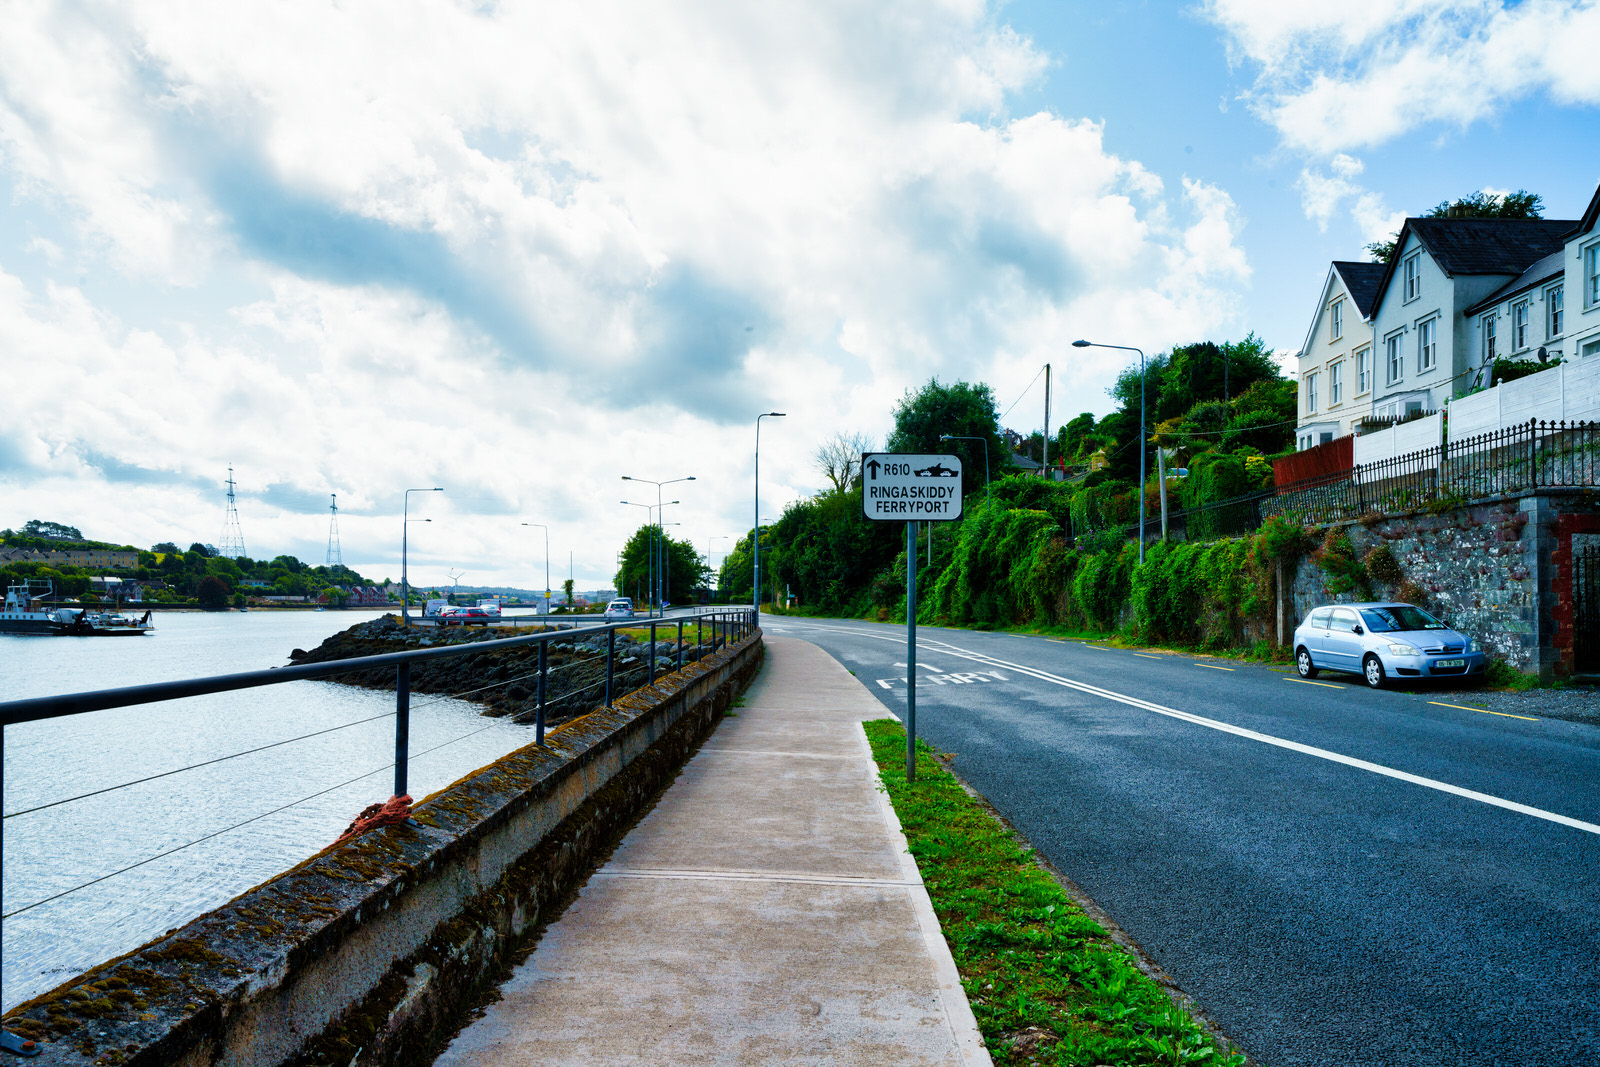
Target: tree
1479	205
684	571
55	531
212	593
839	458
566	587
960	410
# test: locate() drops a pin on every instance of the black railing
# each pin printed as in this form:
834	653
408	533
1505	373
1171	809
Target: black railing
1530	455
713	630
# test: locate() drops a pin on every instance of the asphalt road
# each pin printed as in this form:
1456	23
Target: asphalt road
1336	875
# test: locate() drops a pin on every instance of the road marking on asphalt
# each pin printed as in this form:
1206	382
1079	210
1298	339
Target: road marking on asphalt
1486	711
1278	742
1100	648
1147	656
1214	667
1307	681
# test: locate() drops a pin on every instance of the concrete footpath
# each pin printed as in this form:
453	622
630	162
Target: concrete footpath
766	911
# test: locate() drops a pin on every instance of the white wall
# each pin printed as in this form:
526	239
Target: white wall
1570	391
1412	436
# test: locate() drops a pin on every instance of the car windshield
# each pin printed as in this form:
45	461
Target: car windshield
1393	617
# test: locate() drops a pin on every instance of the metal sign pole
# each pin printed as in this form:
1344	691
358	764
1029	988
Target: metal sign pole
911	651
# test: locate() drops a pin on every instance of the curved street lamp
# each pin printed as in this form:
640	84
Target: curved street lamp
661	576
546	530
405	587
755	535
1142	443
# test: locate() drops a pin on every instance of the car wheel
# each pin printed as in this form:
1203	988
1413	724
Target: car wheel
1303	664
1372	671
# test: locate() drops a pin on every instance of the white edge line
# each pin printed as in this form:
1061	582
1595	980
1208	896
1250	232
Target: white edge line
952	997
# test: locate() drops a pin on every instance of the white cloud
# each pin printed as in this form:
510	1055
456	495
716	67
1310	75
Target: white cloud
519	251
1335	78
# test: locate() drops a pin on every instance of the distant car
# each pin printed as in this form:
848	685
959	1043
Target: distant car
620	608
1380	641
464	617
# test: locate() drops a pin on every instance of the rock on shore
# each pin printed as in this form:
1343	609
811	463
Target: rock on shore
504	680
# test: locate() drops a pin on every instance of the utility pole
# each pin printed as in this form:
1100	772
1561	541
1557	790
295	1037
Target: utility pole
334	558
1044	467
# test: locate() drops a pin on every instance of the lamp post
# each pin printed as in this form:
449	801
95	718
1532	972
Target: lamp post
755	536
546	530
1129	348
957	437
661	576
711	545
405	586
655	527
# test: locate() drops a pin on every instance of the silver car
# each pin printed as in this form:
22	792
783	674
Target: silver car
1380	641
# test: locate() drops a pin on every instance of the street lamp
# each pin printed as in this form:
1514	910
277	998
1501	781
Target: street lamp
661	572
755	536
988	498
711	545
654	524
1129	348
546	530
405	587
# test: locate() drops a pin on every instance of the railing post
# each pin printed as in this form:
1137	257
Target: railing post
611	656
699	637
680	644
652	675
544	662
402	725
1533	453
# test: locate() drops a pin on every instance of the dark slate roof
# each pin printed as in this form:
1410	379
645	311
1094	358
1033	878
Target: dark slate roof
1479	246
1362	281
1544	270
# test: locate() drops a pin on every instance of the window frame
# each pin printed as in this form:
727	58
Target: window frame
1335	383
1411	278
1336	319
1394	357
1521	325
1489	328
1427	344
1311	392
1363	370
1555	310
1589	262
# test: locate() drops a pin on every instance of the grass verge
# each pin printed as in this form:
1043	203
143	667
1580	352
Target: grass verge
1047	985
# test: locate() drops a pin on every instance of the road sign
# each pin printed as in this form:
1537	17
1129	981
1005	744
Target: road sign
897	487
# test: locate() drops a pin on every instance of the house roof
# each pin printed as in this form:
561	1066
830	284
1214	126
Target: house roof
1591	215
1551	266
1479	246
1361	280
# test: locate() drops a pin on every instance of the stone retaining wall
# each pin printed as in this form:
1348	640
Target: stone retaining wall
370	952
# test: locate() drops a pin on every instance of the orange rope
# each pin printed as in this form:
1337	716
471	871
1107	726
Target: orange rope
391	812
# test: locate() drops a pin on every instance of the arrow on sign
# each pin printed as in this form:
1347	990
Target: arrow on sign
873	467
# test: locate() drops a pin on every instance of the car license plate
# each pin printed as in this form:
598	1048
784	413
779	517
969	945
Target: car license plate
1449	663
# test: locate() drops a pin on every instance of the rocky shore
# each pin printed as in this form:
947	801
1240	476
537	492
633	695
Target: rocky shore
504	680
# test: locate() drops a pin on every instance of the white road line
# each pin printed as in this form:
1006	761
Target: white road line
1268	739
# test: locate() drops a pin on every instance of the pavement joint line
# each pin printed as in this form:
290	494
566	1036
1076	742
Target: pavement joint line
1486	711
1308	681
1278	742
756	876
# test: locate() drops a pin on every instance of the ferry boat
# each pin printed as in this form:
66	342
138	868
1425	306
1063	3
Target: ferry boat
25	613
24	609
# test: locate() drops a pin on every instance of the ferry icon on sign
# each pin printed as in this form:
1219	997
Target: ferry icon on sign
938	470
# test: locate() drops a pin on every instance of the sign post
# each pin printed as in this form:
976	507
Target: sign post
896	487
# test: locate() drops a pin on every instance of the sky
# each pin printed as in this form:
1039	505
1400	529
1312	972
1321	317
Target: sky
521	250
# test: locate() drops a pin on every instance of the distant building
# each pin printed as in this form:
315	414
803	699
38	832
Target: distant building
112	558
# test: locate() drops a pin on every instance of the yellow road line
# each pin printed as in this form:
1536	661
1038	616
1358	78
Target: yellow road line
1307	681
1214	667
1098	648
1486	711
1147	656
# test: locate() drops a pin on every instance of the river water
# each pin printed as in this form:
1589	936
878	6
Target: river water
298	797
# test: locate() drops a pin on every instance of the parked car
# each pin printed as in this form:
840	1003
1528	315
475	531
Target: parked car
464	617
1380	641
620	608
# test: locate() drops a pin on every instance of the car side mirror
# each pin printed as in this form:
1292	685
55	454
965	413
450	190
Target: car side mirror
1358	629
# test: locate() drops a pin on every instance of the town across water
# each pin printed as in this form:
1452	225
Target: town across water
56	849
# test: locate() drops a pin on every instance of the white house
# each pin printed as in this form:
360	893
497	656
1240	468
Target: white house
1427	348
1582	270
1525	319
1336	368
